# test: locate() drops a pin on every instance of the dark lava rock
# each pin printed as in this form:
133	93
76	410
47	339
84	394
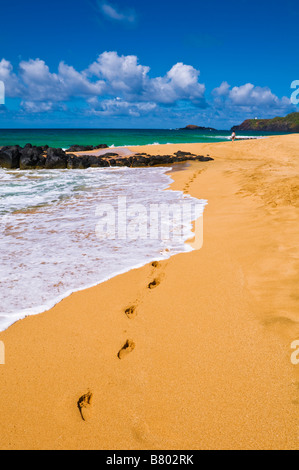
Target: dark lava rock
97	162
201	158
140	161
93	161
86	148
10	157
73	162
83	163
183	154
80	148
56	159
161	159
107	155
101	146
86	161
32	157
122	162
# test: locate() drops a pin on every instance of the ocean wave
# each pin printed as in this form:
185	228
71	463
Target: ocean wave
49	238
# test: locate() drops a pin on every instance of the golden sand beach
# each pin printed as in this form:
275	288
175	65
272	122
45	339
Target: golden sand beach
189	353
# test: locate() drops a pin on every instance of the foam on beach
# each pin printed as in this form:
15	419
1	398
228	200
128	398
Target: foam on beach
49	244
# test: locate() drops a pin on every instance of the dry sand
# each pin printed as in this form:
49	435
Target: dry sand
206	363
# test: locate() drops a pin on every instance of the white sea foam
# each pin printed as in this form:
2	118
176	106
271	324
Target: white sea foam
48	245
228	137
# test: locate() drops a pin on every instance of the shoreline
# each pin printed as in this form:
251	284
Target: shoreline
39	310
114	138
209	357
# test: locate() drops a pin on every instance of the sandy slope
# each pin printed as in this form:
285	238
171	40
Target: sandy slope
208	363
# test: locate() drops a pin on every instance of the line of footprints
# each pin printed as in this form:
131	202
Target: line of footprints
85	401
193	177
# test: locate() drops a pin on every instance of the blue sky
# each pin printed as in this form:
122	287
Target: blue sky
157	64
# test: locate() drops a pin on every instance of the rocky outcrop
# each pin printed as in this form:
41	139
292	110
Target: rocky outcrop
143	160
86	148
10	157
290	123
75	162
56	159
30	157
191	127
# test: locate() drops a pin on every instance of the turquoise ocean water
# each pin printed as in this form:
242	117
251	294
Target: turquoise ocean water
113	137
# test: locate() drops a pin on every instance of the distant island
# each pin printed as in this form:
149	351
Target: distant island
290	123
191	127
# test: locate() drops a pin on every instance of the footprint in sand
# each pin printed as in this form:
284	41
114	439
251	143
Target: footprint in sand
131	312
83	403
142	432
127	348
156	264
190	181
155	283
158	278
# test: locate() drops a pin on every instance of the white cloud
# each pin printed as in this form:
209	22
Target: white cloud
39	83
119	107
35	82
10	80
121	73
112	12
250	98
109	76
5	69
124	75
250	95
180	83
77	83
119	85
36	107
222	90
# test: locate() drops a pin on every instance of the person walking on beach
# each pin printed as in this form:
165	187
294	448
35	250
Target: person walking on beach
233	136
